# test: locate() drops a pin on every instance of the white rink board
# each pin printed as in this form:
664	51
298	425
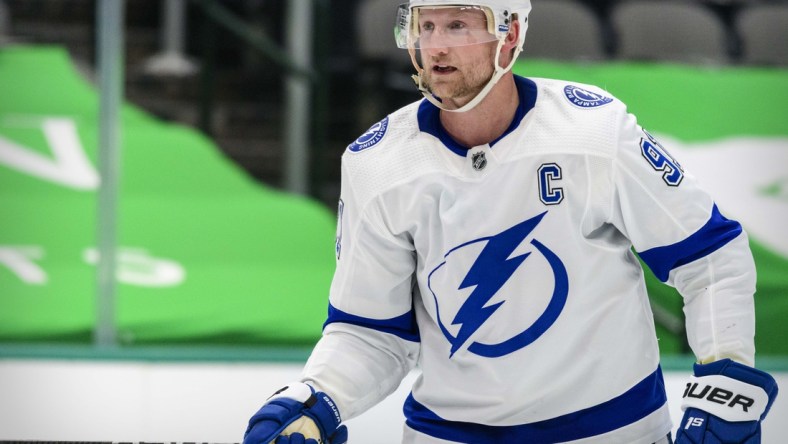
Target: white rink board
71	400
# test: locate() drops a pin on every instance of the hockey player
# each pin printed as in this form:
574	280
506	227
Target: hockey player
485	237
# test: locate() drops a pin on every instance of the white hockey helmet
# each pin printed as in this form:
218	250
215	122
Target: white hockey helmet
499	15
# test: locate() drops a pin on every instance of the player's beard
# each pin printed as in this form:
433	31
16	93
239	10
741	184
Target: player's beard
462	85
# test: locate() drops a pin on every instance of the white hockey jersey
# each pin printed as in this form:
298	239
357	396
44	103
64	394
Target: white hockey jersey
506	273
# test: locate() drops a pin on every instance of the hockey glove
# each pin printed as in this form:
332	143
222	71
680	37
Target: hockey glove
297	414
725	402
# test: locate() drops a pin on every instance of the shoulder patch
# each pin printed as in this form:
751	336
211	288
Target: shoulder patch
370	138
584	98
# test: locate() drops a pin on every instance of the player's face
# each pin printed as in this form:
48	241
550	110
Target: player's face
457	52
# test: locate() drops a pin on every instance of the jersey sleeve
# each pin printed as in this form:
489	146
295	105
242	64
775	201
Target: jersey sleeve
679	232
370	340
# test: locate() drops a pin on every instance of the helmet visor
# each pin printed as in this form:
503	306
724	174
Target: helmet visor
443	26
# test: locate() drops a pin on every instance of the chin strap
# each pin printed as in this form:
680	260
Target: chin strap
499	72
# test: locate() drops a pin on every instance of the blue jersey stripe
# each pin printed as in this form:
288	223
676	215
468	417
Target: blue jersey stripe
717	232
635	404
403	326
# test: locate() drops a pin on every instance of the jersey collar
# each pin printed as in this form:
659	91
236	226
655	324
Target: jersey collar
429	116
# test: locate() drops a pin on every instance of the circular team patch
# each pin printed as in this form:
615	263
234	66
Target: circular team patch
371	137
585	98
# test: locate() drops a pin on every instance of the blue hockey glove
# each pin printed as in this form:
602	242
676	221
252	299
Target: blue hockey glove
725	403
297	415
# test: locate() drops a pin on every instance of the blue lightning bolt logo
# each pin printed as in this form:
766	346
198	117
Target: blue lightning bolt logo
489	273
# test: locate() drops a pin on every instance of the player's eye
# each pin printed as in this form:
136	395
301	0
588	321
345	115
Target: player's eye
456	26
427	26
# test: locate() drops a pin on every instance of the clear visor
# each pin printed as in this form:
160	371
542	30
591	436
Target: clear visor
444	26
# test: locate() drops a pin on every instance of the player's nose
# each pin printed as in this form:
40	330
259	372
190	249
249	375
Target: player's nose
435	53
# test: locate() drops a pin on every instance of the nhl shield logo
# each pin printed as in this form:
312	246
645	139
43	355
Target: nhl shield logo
479	161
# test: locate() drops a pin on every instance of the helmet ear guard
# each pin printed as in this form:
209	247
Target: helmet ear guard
499	19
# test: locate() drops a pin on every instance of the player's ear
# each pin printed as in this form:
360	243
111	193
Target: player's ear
513	36
510	43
